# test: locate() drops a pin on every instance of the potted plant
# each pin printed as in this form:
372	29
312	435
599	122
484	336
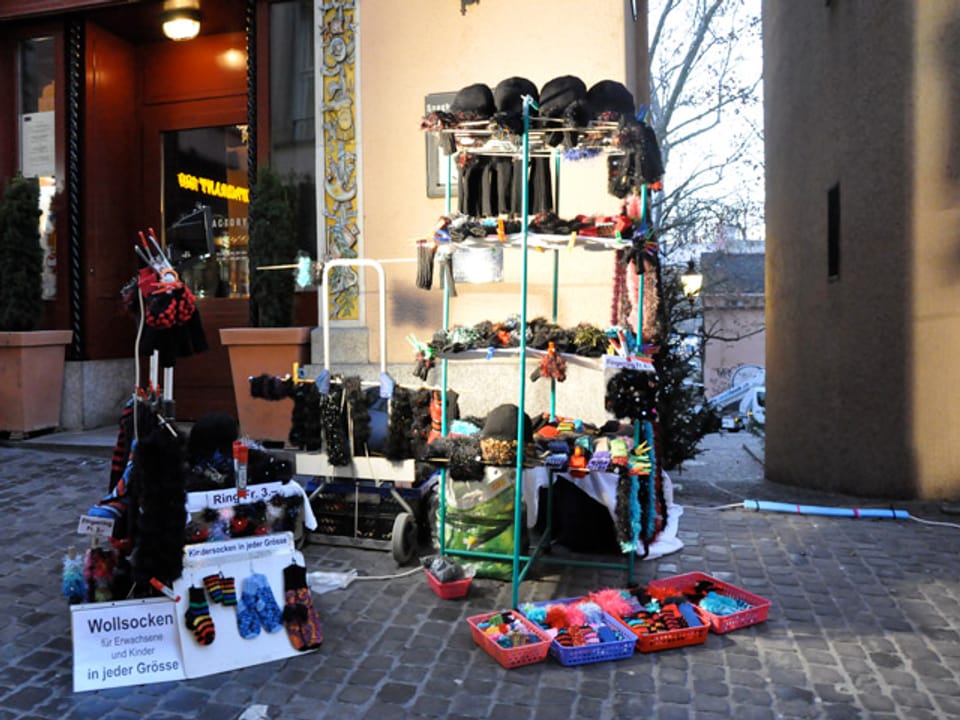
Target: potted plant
31	360
270	345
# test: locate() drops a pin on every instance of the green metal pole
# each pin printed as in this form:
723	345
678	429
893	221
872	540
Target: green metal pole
521	404
443	375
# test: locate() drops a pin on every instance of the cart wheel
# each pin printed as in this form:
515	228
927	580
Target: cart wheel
404	543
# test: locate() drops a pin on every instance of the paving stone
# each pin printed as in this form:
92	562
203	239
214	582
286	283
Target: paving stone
509	712
852	631
396	693
908	698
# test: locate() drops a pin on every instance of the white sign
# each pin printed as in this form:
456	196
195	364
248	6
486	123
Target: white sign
38	144
630	363
95	526
130	642
237	549
478	264
133	642
197	501
239	559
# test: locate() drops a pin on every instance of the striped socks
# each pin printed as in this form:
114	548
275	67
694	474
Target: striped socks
214	587
228	591
198	617
221	589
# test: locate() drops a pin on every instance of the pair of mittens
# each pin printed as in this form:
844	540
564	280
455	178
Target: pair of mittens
256	607
300	617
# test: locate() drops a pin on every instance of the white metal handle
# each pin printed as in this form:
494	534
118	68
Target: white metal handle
325	314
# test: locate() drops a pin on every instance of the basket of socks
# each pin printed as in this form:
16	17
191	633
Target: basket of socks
582	631
509	638
658	623
723	606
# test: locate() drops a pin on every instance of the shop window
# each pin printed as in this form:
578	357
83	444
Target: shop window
37	109
292	116
205	208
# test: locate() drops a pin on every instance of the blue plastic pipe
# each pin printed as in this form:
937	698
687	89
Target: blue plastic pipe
831	511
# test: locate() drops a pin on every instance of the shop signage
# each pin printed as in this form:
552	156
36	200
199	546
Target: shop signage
135	642
216	499
130	642
264	557
214	188
95	526
436	160
629	363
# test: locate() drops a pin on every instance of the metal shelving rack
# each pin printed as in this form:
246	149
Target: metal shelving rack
521	563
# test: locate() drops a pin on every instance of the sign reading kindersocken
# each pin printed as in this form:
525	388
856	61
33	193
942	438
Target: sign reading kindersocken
130	642
232	595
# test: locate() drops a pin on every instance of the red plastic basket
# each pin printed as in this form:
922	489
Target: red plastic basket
449	590
582	654
757	612
528	654
669	639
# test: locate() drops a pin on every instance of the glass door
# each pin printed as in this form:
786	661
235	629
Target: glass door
205	200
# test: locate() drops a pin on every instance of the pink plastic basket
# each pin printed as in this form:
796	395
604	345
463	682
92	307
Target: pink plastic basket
449	590
528	654
757	612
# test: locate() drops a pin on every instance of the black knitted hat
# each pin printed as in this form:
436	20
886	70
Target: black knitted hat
212	432
473	102
610	99
501	424
508	95
564	98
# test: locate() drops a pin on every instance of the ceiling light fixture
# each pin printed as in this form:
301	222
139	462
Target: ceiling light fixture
181	23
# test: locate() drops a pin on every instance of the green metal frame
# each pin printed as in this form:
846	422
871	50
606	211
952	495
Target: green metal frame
521	564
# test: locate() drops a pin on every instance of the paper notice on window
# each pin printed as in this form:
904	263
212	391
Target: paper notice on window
37	144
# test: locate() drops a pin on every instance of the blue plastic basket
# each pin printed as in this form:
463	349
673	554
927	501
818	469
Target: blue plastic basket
599	652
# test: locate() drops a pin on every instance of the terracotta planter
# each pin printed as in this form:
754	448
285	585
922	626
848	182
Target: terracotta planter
258	351
31	379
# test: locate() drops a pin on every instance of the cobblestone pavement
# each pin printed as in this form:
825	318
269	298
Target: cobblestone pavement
864	621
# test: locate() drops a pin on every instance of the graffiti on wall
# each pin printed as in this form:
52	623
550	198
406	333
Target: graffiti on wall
338	139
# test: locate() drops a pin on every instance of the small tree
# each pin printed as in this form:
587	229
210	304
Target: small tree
684	415
273	241
21	257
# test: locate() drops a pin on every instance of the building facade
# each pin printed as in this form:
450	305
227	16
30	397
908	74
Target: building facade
131	131
862	168
732	299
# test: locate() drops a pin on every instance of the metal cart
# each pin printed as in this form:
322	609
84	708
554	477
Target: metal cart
371	502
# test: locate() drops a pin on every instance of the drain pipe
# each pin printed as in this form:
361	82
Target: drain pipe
821	510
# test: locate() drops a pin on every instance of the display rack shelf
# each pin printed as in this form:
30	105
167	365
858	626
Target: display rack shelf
483	138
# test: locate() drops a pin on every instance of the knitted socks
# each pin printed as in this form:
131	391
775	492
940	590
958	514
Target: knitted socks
228	591
198	618
299	615
214	588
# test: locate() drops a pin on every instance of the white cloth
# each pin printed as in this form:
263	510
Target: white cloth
602	487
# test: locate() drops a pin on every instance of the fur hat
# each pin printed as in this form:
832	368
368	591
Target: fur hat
498	438
473	102
212	432
564	98
610	100
508	96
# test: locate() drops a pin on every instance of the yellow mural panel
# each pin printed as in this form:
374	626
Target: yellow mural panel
337	103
